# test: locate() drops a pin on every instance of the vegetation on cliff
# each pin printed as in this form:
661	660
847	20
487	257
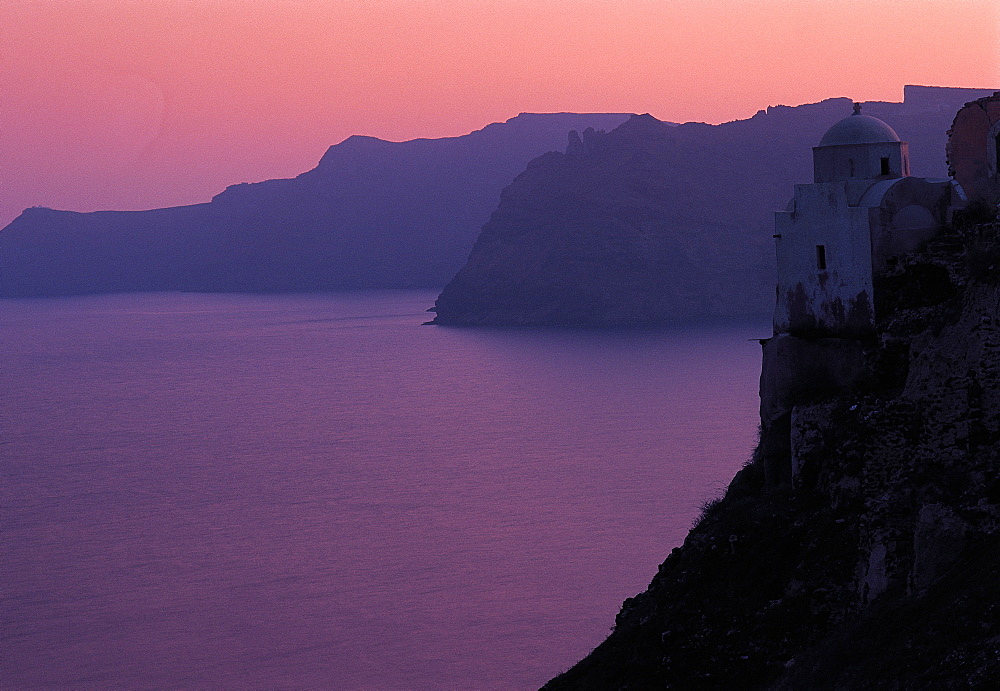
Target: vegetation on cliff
878	567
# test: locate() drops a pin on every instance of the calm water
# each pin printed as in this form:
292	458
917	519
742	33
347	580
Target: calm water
318	492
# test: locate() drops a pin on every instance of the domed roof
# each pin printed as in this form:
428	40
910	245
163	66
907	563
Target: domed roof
859	129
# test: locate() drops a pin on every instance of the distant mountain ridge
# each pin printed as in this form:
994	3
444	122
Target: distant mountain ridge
640	224
372	214
648	222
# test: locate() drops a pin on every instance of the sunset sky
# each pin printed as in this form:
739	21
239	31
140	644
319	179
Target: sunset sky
134	104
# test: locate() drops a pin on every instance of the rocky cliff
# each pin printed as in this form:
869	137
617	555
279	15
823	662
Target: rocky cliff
371	214
651	222
877	566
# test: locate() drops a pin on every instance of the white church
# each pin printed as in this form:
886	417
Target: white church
861	209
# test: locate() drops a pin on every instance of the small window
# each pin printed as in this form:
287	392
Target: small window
851	162
821	257
885	166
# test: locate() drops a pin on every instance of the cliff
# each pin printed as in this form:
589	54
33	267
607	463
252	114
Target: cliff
371	214
877	565
651	222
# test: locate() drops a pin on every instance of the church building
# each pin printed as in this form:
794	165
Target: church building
861	209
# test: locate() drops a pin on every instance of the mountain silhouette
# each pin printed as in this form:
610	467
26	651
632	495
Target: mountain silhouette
372	214
651	222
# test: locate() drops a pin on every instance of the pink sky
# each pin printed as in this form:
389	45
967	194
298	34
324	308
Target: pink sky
132	104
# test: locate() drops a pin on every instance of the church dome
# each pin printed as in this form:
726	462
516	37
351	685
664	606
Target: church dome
859	129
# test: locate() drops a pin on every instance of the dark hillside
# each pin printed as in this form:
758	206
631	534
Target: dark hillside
879	569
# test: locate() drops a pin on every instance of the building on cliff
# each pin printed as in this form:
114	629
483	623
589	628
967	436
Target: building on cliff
835	236
861	209
974	148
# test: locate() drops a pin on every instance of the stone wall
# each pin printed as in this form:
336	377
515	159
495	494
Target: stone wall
796	372
973	146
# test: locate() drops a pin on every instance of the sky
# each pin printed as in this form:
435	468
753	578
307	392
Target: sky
132	104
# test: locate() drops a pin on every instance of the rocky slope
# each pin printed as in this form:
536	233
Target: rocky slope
651	222
879	566
371	214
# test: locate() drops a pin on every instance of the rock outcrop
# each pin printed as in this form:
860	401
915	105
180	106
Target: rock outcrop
876	566
651	222
372	214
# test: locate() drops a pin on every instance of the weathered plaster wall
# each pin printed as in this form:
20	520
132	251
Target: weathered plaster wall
834	301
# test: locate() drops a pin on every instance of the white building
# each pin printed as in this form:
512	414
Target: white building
861	209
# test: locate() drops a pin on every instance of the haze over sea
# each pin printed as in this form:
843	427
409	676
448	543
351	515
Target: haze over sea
316	491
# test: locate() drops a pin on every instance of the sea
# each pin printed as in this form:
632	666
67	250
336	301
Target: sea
319	492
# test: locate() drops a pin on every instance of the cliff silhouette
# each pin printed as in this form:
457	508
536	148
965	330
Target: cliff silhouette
651	222
877	567
371	214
